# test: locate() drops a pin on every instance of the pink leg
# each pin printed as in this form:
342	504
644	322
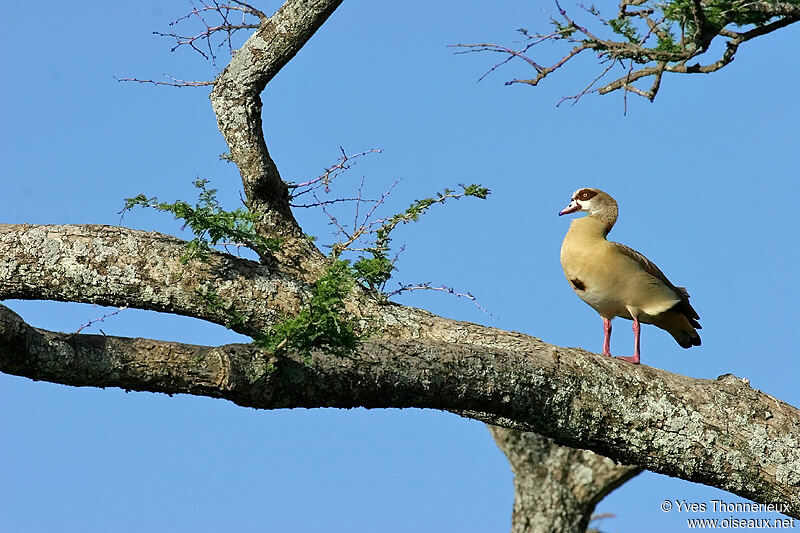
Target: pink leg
607	338
636	331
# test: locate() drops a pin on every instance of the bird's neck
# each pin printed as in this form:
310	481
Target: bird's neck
595	225
608	216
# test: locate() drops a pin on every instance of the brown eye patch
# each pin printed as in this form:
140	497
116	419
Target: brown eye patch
585	194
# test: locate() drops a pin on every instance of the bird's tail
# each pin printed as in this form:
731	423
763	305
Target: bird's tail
682	325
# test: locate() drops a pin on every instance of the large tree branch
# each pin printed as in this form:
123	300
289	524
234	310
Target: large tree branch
718	432
117	266
556	488
237	104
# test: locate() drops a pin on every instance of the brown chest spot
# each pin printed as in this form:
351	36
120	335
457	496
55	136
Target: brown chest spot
578	284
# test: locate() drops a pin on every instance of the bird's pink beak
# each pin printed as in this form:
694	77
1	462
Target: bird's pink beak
571	208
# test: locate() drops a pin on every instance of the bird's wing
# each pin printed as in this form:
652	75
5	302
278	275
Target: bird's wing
648	266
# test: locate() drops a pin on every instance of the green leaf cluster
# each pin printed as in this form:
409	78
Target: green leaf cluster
666	42
564	31
624	27
321	323
717	13
210	223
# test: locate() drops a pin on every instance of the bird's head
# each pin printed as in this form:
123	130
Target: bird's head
592	201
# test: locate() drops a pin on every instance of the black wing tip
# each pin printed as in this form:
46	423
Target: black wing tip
684	307
690	340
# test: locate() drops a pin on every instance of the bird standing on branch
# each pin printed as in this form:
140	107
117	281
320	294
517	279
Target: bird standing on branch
619	281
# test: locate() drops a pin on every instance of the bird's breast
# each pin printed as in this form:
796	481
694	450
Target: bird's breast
610	282
597	286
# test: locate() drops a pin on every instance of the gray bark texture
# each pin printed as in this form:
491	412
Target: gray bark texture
556	488
718	432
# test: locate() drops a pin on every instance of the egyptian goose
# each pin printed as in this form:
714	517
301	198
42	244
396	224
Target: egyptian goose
619	281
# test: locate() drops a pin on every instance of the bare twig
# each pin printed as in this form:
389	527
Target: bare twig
345	162
319	203
428	286
226	26
367	226
101	319
203	42
174	82
587	89
643	36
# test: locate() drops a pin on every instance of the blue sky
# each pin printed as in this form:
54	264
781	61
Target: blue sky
705	178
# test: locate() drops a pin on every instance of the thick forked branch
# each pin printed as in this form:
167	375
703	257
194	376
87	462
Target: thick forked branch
556	488
237	104
718	432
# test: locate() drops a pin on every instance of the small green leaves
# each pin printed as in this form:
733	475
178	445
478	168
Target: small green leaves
476	190
564	31
374	271
666	42
644	40
625	28
210	224
321	324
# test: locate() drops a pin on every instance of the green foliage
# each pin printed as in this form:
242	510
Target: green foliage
376	269
624	27
321	324
717	13
563	30
210	224
666	42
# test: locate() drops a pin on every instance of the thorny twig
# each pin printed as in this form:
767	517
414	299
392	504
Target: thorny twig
430	287
322	184
368	233
226	26
100	319
325	179
174	82
361	229
203	41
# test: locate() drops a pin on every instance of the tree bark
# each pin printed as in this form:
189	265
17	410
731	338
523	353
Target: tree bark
556	488
236	99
